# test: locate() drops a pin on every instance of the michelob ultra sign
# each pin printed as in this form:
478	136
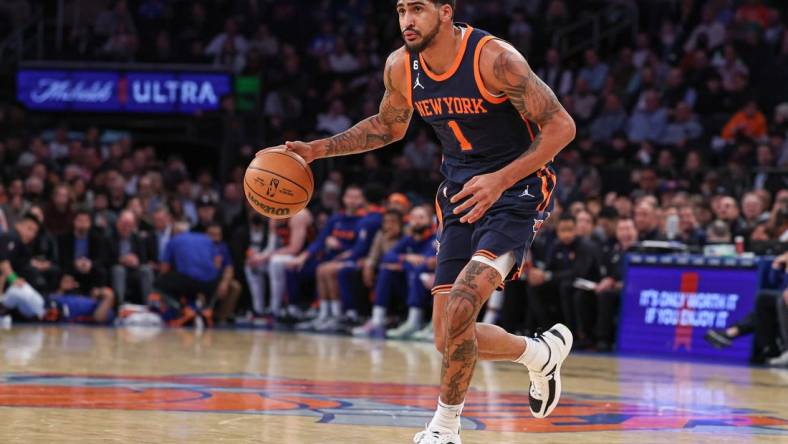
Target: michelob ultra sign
121	91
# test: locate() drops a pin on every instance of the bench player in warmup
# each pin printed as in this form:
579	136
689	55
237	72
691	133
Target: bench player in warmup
500	127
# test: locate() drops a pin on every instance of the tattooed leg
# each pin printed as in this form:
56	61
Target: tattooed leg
493	342
472	288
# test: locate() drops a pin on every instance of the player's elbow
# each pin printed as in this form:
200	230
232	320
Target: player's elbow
568	129
398	134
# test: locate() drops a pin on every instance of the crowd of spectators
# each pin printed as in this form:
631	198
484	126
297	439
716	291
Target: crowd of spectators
682	136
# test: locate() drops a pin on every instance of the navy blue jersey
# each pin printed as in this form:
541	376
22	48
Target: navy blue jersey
480	133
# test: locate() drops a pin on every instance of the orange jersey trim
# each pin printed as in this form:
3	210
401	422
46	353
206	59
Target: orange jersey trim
441	289
455	65
477	74
548	186
485	253
439	214
409	78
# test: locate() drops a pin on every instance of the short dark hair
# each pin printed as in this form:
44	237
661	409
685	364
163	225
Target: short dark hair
567	218
374	193
452	3
82	211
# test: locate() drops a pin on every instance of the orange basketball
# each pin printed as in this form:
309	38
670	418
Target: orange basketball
278	183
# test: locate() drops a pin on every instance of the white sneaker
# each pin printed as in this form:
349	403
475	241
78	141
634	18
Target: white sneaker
434	437
426	334
545	388
404	331
780	361
309	325
329	325
366	330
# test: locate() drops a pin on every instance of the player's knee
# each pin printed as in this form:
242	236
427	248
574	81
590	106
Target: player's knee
461	311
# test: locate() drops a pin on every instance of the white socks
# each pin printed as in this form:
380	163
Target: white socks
414	316
336	309
378	315
447	418
324	307
536	354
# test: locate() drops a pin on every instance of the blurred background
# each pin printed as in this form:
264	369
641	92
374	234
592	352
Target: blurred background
117	111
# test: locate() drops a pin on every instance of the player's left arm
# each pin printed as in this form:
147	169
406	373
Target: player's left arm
505	70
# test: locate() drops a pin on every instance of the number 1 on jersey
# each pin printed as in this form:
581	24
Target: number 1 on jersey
465	145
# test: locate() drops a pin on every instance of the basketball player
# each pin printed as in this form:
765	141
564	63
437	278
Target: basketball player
500	127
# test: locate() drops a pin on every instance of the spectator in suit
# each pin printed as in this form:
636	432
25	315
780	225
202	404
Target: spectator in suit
162	232
83	254
44	272
130	269
571	258
608	290
647	222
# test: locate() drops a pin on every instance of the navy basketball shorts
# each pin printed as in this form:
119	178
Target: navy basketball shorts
508	226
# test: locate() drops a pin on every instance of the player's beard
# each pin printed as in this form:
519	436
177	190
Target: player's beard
426	40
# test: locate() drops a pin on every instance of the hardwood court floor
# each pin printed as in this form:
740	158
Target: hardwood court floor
84	385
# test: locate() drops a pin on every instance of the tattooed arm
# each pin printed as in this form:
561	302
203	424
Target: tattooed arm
389	125
504	70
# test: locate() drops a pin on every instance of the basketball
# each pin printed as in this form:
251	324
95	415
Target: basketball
278	183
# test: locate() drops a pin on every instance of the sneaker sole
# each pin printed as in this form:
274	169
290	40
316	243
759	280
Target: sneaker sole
568	339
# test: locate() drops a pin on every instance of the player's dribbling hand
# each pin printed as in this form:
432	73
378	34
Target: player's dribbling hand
481	192
303	149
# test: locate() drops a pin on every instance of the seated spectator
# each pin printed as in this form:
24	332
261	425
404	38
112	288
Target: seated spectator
44	272
571	258
421	152
585	101
728	212
286	239
752	212
682	128
335	238
690	231
334	276
647	222
58	212
228	290
206	213
612	119
554	75
228	48
130	251
348	270
334	121
718	232
162	232
748	122
390	233
648	123
710	31
83	255
399	272
19	298
594	72
608	290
